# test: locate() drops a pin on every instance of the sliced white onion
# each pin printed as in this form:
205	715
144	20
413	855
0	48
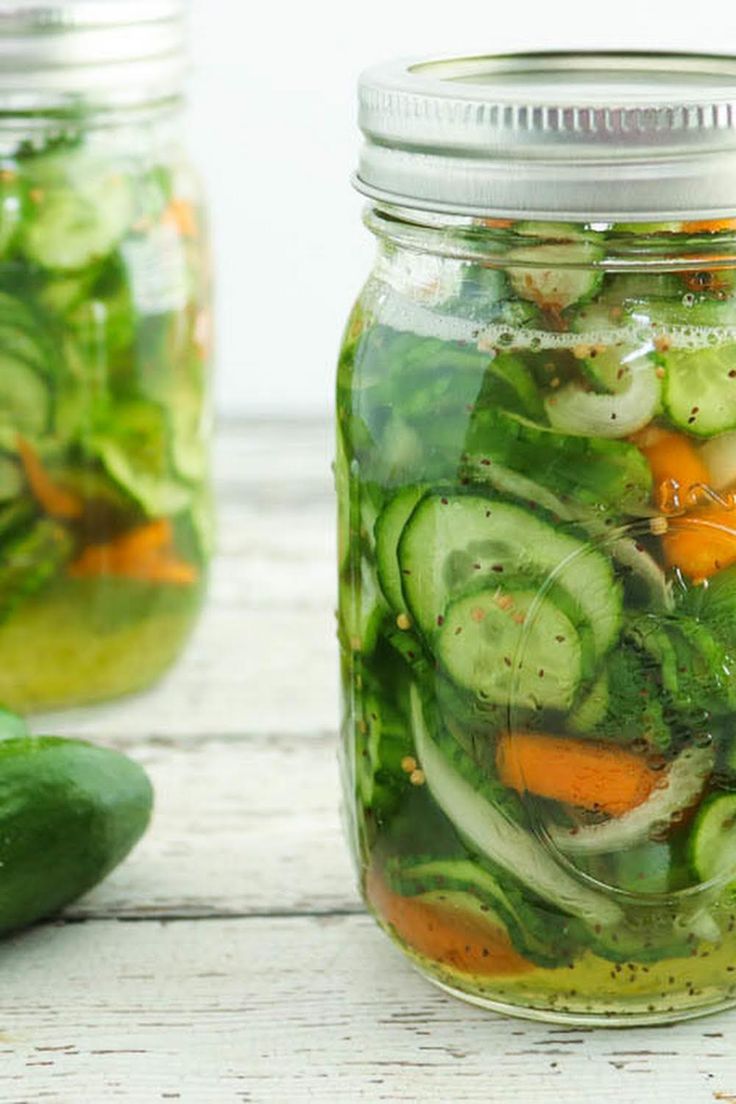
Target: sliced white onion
719	454
682	785
588	414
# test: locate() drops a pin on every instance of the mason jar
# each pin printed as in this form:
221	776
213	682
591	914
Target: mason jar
536	467
104	352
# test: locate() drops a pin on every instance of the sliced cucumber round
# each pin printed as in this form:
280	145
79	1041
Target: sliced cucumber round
592	709
25	401
388	530
454	544
700	389
713	838
510	647
81	211
557	275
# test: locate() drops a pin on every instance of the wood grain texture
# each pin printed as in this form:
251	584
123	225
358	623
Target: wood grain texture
228	960
290	1010
242	827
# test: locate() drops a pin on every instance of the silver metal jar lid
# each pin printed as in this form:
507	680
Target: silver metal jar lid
582	136
107	53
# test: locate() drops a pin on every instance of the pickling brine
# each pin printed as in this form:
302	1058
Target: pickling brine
105	522
536	467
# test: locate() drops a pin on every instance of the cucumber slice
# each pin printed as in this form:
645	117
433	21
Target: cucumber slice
11	207
557	275
508	384
135	453
501	840
362	612
509	647
30	560
382	742
661	813
11	480
25	402
697	672
712	846
619	289
623	705
593	708
646	869
714	605
456	543
573	410
82	209
341	473
388	530
607	476
700	389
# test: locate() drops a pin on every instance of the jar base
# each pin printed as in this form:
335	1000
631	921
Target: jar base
579	1019
64	650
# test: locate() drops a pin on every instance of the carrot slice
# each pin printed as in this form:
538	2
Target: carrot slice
678	470
54	500
593	776
702	543
708	226
180	213
445	932
144	553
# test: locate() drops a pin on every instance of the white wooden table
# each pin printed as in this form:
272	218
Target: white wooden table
229	960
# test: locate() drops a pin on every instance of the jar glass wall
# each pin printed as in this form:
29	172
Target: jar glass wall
105	522
536	464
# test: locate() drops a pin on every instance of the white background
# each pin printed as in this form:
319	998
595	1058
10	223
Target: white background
272	125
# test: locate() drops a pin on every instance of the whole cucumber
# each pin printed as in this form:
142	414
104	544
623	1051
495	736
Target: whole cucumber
69	812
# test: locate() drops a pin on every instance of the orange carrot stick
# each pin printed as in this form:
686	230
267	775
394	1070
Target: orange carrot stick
144	539
702	543
53	499
446	933
708	226
598	777
180	213
161	569
677	467
144	553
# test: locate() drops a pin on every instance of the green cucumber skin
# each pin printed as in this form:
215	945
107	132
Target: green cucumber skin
495	540
69	813
712	843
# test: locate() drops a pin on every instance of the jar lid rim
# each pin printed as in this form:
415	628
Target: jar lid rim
99	53
60	14
596	134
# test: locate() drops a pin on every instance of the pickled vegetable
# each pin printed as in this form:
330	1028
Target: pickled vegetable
104	515
537	610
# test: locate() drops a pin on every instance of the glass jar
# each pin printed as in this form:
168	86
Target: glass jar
105	520
536	467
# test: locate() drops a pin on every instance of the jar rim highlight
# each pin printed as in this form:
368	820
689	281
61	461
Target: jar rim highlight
605	136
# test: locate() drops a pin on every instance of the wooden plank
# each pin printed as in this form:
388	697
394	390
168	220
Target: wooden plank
269	1010
241	827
